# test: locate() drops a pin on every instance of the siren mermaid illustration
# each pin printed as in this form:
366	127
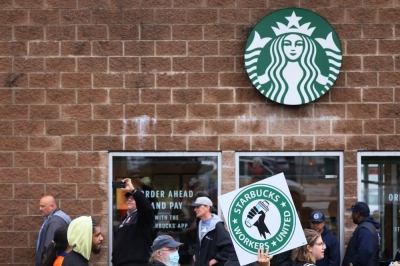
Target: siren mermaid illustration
292	75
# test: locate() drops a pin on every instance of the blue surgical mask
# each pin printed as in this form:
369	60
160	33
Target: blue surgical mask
174	258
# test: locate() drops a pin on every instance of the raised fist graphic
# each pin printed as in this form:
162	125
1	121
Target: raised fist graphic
256	217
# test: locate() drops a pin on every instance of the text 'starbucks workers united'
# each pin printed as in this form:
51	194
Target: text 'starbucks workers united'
262	215
293	56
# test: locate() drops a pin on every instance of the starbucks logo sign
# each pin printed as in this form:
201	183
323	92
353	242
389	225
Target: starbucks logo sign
261	215
293	56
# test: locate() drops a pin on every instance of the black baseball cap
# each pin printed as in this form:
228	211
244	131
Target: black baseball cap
165	241
360	207
317	216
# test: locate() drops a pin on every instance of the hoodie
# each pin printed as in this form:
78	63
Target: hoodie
80	236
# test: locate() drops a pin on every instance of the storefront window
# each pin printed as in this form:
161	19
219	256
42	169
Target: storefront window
171	182
313	180
380	189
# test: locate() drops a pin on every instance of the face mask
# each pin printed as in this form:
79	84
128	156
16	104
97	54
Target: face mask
174	258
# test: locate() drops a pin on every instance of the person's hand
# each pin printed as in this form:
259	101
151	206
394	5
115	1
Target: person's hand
194	258
212	262
128	185
396	263
263	258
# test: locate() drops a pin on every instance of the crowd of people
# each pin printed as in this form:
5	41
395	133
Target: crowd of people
62	242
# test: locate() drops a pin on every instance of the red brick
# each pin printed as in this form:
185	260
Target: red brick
202	48
14	239
187	32
76	80
378	63
92	32
362	79
362	111
29	127
107	80
266	143
350	63
170	16
248	95
13	112
14	80
362	47
76	143
93	4
171	111
60	159
13	143
44	175
123	127
330	143
348	31
61	4
140	143
44	112
171	80
139	48
154	64
139	16
60	127
251	127
227	15
77	207
203	79
6	159
91	190
347	127
238	111
124	64
218	95
298	143
43	17
23	64
361	142
29	33
317	127
6	63
202	16
171	48
170	143
74	16
76	111
107	48
13	175
6	192
389	111
385	126
6	96
219	127
388	14
140	80
206	143
93	159
108	111
266	111
187	95
234	80
188	4
106	16
202	111
60	64
146	126
123	32
61	96
155	32
388	79
361	15
155	95
62	191
234	143
330	111
219	32
13	17
92	64
107	143
140	110
389	47
283	127
124	95
44	143
60	32
219	64
29	159
44	80
6	128
75	48
13	48
187	64
231	47
378	31
389	142
377	95
188	127
298	111
89	127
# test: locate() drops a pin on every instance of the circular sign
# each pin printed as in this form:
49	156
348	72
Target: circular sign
293	56
262	216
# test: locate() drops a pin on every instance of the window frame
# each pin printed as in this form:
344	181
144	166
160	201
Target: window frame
111	155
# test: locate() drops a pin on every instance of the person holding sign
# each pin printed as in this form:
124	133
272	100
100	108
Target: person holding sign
213	243
134	235
307	255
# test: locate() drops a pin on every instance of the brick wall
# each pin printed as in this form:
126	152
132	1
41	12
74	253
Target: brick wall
79	78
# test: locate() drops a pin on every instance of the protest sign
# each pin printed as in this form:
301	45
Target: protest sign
262	215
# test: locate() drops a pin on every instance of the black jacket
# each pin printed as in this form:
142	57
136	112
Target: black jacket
302	263
75	259
363	247
132	241
216	243
157	263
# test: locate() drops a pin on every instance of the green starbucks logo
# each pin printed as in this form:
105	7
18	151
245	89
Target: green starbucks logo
262	216
293	56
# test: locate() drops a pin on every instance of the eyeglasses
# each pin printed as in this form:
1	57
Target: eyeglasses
320	244
129	198
170	249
